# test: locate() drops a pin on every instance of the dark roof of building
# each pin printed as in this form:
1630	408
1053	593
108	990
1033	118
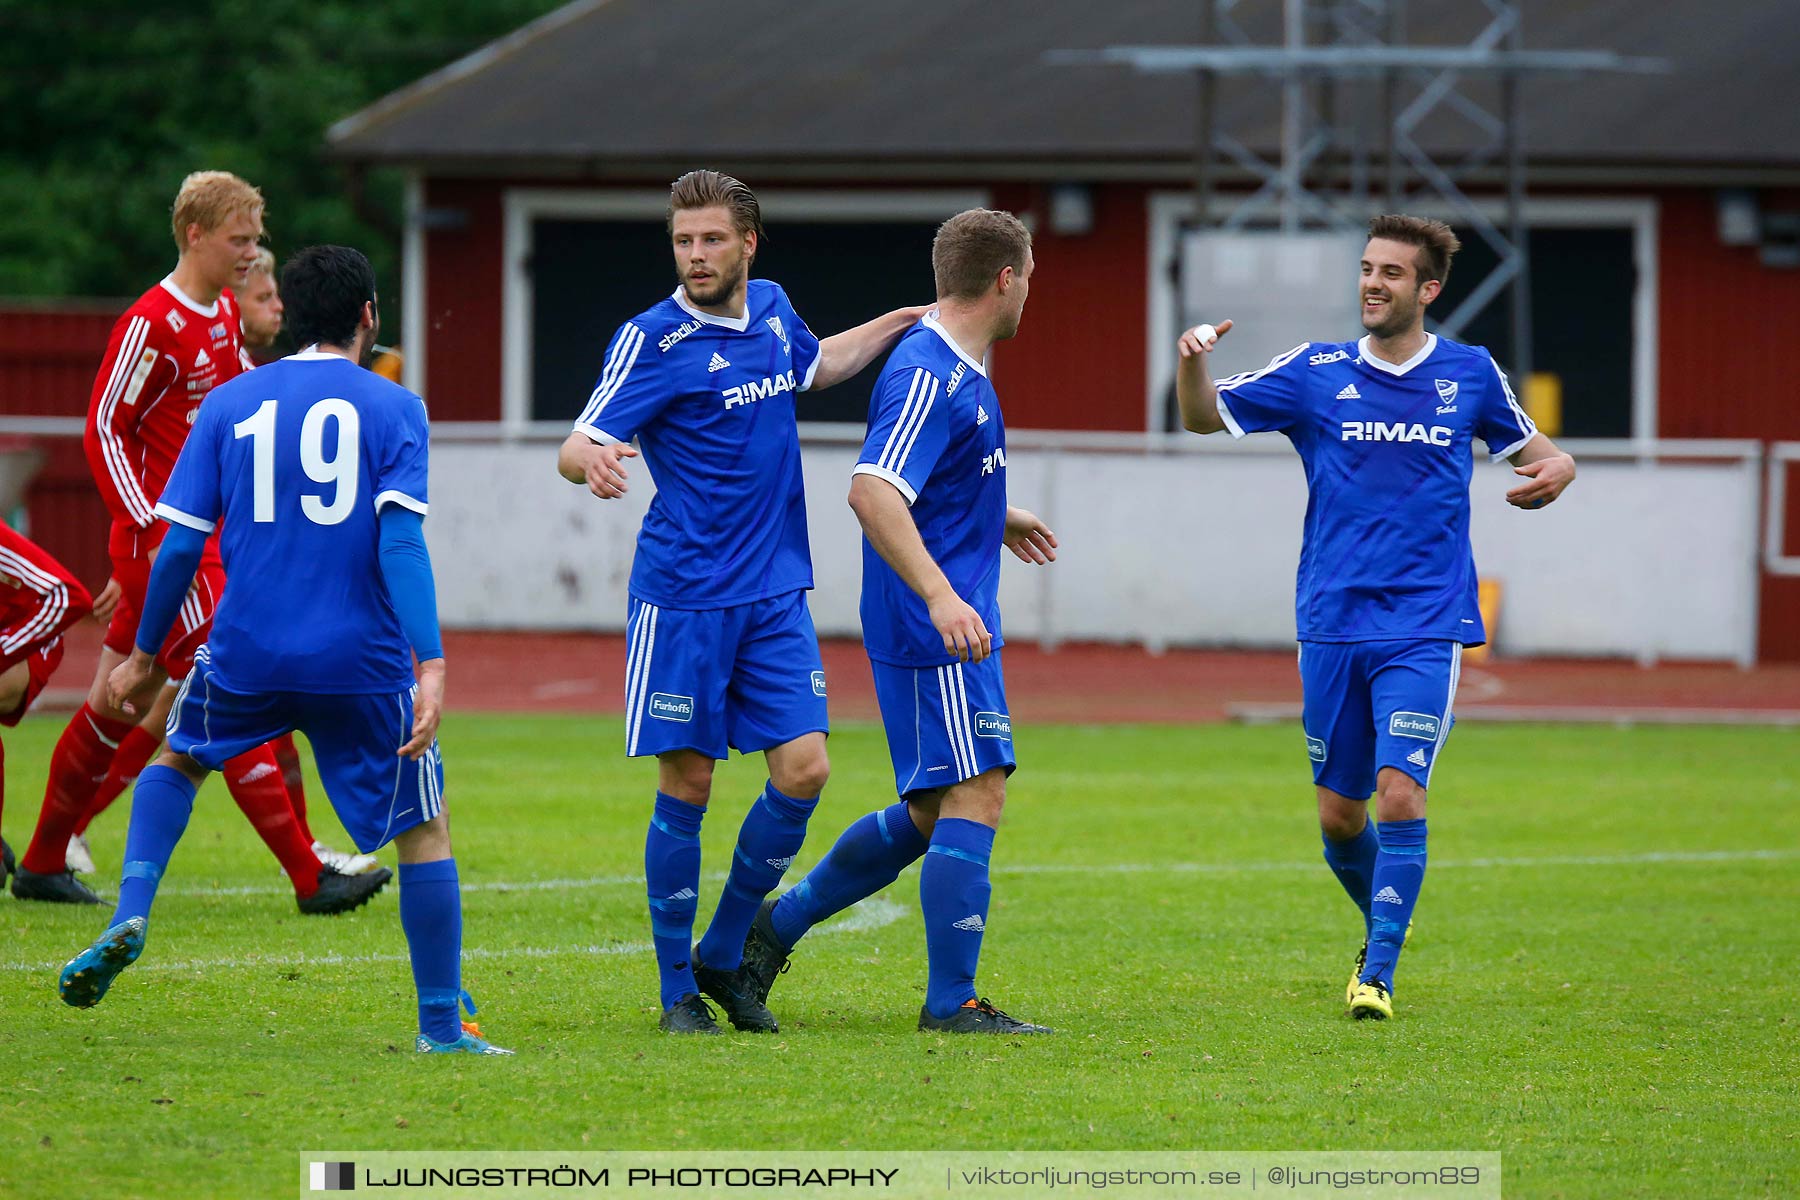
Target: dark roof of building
943	87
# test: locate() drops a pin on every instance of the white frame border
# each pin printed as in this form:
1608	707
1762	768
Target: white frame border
523	206
1640	214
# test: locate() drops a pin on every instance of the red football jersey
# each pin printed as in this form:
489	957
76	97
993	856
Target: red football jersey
165	354
38	597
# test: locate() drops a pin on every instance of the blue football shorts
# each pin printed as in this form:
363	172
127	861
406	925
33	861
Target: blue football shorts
746	677
355	740
1369	705
944	724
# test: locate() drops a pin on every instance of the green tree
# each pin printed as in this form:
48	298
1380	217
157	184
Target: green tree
105	106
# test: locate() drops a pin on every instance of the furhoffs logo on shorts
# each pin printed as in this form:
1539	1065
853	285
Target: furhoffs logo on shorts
993	725
1423	726
666	707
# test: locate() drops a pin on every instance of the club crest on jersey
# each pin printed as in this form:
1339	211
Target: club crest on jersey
176	321
995	461
1395	431
762	389
1446	390
666	707
993	725
1327	357
775	324
675	335
956	378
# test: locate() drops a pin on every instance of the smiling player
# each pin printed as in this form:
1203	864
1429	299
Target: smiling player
1386	598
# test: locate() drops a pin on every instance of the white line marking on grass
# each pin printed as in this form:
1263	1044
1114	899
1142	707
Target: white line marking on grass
1568	860
1173	868
874	913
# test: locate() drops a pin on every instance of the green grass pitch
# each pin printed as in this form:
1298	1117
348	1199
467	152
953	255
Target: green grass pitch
1602	984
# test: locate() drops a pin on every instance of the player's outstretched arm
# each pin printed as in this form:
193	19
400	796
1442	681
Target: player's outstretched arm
888	524
1029	538
844	354
582	460
1548	472
1194	389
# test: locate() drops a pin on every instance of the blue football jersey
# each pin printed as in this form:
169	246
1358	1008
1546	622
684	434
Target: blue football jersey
936	434
1389	454
293	460
711	402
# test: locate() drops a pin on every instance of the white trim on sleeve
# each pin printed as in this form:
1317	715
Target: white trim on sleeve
818	357
880	472
1231	424
597	434
176	517
1503	455
394	496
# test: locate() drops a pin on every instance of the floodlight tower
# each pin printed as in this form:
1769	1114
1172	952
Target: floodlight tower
1357	99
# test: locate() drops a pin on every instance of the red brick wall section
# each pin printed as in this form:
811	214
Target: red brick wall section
1079	359
463	283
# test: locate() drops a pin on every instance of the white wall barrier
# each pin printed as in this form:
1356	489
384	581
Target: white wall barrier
1165	542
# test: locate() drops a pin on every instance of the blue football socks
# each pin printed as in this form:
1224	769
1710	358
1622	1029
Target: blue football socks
161	804
1399	874
954	892
770	838
1353	862
431	915
672	878
866	858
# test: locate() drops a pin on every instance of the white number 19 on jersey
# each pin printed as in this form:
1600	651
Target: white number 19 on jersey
340	469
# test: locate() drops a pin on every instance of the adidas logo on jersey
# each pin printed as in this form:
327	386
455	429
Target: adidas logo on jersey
981	417
1349	393
1388	895
718	363
201	359
970	924
691	894
1417	757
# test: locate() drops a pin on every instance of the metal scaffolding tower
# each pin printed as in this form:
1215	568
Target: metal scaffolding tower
1355	96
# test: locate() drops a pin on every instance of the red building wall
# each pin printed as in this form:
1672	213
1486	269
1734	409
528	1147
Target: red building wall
1725	365
47	362
1079	361
463	282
